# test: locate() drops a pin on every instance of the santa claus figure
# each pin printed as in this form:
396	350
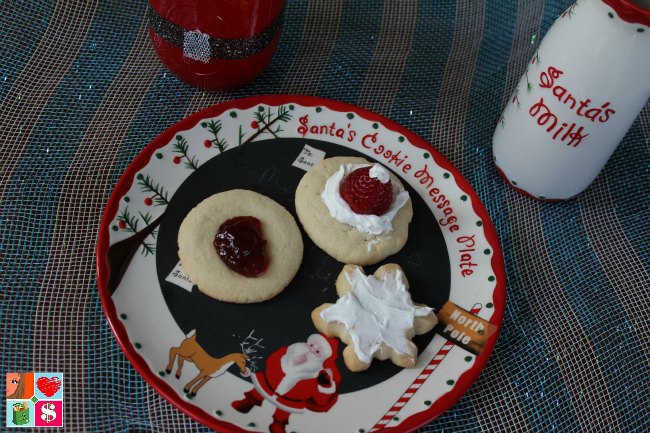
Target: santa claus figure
299	377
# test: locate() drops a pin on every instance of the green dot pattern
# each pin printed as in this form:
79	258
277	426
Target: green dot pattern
233	114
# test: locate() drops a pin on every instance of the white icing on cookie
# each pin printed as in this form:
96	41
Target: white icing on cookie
380	173
376	312
340	210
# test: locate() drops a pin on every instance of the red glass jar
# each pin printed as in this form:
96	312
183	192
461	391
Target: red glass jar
215	44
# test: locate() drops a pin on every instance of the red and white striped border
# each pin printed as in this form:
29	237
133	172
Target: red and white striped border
417	383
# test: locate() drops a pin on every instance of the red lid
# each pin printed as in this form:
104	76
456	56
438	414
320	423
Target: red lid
228	19
630	12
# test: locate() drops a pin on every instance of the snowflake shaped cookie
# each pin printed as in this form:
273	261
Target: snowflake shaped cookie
375	317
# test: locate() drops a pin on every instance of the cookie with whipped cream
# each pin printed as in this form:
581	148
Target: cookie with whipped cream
375	317
361	225
240	246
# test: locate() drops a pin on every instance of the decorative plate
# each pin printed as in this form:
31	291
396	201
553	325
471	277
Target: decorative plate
189	347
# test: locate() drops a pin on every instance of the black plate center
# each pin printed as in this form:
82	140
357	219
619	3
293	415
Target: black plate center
221	328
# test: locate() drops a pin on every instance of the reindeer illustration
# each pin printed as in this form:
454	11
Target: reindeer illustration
208	366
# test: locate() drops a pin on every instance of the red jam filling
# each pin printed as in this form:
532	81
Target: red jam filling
241	245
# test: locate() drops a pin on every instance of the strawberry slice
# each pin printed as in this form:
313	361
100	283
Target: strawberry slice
366	195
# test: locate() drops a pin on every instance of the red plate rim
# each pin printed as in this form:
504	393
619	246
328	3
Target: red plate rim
142	159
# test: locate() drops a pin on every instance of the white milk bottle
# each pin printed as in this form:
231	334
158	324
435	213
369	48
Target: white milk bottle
579	95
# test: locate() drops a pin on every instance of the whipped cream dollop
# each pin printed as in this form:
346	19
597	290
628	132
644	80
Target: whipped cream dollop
375	312
340	210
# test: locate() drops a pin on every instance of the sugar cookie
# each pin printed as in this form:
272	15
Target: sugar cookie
375	317
360	239
205	268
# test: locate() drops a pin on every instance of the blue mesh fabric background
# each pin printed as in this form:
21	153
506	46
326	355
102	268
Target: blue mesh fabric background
82	92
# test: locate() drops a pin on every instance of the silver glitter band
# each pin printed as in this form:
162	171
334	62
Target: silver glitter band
220	48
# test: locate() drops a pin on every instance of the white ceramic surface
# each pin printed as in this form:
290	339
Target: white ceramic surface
578	97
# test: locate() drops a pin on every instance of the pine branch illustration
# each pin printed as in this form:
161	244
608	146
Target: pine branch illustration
131	225
128	219
182	147
529	85
515	97
272	132
536	59
241	135
192	163
148	248
145	217
148	185
571	9
260	117
266	119
283	113
215	128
